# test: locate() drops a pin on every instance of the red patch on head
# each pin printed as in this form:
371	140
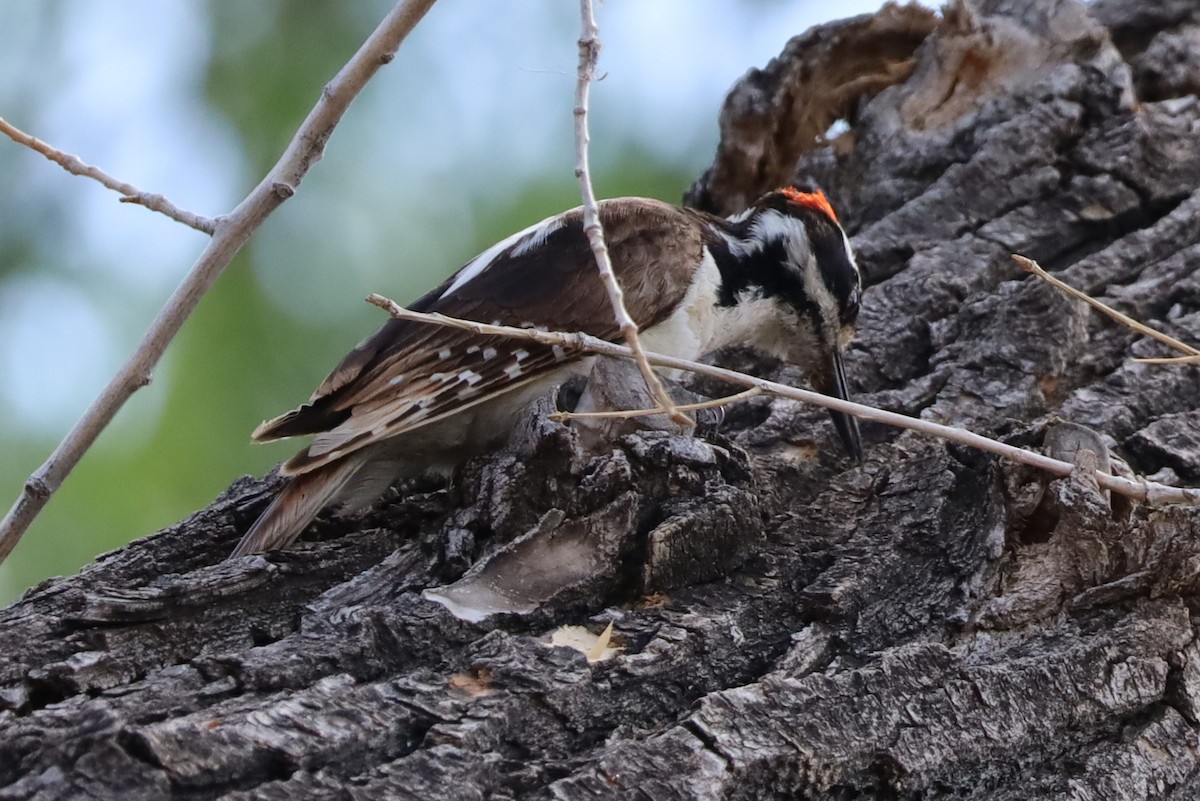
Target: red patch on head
811	200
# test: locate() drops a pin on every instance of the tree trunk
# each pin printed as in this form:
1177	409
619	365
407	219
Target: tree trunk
932	624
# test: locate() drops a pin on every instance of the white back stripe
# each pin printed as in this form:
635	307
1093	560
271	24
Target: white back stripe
537	234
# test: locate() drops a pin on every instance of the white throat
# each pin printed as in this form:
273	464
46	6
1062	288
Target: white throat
699	325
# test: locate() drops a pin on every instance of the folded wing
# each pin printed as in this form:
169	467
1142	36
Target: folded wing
410	374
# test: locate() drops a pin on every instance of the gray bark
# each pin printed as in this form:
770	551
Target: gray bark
932	624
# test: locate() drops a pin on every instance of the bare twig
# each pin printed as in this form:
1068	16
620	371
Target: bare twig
1191	355
230	234
624	414
1170	360
1150	492
589	53
129	193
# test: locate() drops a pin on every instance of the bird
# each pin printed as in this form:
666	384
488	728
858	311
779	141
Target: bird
418	398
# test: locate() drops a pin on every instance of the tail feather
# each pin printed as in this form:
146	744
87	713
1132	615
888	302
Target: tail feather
301	498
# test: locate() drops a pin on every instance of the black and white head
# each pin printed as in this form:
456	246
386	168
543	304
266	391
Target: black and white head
788	271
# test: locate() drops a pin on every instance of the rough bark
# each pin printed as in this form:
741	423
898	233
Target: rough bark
931	624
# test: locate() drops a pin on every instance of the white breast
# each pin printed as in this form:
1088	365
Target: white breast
689	330
699	326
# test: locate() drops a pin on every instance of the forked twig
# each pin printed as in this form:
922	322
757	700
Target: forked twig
129	193
231	232
589	53
1191	355
1149	492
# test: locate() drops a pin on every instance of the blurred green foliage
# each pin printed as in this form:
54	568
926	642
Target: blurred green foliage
242	357
289	50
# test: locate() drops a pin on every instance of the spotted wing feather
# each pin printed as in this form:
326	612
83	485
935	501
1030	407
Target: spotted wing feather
409	374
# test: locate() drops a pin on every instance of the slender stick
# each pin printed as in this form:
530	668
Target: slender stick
230	234
625	414
1150	492
1170	360
1191	355
589	53
129	192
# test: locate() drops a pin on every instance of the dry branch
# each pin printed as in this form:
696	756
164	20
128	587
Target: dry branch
231	232
623	414
1191	355
589	53
1152	493
129	192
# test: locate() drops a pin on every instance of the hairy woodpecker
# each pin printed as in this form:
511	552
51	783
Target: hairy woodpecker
417	398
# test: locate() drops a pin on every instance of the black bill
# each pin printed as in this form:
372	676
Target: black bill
846	425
